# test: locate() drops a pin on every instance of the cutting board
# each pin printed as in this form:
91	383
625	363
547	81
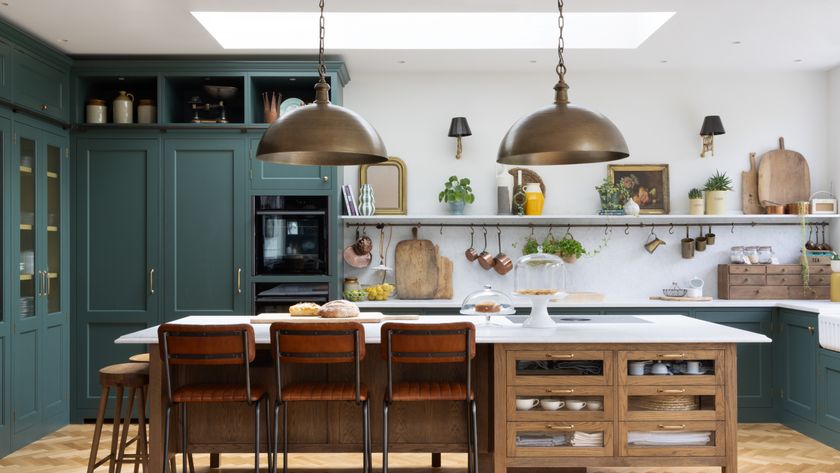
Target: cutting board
416	268
681	299
581	297
749	189
363	318
444	281
783	177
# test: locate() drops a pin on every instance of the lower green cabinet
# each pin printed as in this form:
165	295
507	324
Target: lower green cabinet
796	346
828	384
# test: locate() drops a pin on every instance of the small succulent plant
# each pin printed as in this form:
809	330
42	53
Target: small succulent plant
695	194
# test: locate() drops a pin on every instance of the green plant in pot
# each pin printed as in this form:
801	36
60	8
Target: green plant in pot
716	188
566	248
696	206
457	193
613	196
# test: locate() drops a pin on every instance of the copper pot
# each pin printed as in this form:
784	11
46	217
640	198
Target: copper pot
774	209
471	253
502	263
485	259
363	245
797	208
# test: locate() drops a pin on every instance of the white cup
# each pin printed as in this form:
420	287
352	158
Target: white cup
659	368
575	405
552	404
692	367
526	404
637	368
694	292
594	405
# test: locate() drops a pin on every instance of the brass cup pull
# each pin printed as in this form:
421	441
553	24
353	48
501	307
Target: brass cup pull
152	281
325	178
671	427
239	280
811	329
560	391
671	355
561	356
670	391
560	427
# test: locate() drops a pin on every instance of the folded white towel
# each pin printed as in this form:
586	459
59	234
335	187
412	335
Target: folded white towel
669	438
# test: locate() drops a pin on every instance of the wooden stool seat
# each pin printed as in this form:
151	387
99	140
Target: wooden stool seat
129	375
139	358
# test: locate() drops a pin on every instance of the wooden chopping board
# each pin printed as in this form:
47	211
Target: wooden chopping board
444	282
749	189
416	268
363	318
783	177
681	299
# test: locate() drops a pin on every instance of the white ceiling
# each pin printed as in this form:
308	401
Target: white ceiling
773	35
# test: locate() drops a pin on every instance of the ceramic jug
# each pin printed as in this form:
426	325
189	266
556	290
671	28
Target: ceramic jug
123	107
366	202
534	199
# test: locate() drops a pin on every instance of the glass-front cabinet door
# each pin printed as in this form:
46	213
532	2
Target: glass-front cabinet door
52	269
29	281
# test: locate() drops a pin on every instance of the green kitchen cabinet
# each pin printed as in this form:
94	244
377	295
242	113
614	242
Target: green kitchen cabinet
281	177
5	279
40	337
117	245
828	385
5	77
40	85
755	360
205	227
796	347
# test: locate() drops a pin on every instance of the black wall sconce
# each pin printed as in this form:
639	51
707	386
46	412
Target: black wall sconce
711	126
457	129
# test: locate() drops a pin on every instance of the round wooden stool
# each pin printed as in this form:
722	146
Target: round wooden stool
135	378
139	358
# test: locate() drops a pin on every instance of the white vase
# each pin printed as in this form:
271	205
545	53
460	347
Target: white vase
696	206
367	203
716	202
504	190
632	208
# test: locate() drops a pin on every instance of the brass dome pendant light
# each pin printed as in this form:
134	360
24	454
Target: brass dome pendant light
562	133
322	134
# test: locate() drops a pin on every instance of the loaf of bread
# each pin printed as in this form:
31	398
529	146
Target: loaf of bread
304	308
488	306
340	309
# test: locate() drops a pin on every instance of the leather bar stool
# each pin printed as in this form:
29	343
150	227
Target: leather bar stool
134	377
323	343
430	343
209	346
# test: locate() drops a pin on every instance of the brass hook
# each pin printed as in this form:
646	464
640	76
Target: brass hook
652	227
732	230
532	229
671	230
606	229
441	229
498	229
626	228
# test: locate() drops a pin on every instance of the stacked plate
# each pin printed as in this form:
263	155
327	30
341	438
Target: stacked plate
665	403
27	305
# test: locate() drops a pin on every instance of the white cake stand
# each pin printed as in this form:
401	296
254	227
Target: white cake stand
539	317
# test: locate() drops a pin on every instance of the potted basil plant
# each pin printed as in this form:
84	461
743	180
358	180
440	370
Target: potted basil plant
457	193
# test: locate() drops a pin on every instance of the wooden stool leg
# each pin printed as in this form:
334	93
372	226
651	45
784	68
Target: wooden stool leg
125	429
116	434
142	442
97	431
436	460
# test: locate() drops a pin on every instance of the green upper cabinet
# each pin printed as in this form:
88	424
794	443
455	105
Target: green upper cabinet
5	75
204	227
797	374
117	215
5	277
279	177
40	86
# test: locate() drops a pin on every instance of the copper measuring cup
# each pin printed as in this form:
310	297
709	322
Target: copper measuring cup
700	241
502	263
687	245
485	259
471	253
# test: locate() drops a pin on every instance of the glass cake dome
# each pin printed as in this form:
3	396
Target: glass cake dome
540	277
487	301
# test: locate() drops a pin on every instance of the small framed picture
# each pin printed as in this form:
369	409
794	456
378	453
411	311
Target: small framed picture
647	183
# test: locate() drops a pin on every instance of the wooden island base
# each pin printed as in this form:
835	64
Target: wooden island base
502	373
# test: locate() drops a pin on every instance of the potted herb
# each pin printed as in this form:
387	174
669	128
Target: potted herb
567	247
456	192
613	196
716	188
696	206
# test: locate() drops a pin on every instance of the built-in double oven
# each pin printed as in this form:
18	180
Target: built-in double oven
291	251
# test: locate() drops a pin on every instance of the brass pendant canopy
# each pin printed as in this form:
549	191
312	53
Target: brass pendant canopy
321	134
562	133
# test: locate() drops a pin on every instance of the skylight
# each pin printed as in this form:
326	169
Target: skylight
430	30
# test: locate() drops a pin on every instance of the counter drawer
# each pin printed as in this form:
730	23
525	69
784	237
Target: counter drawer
560	439
558	367
745	269
662	439
711	362
748	279
666	403
796	269
758	292
596	403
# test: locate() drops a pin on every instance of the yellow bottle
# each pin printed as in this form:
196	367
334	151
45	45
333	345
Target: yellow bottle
835	287
534	199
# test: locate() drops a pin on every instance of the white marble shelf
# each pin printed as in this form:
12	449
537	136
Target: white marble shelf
583	219
650	329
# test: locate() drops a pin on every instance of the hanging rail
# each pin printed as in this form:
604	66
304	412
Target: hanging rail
626	226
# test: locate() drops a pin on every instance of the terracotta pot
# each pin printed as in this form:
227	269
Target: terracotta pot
568	259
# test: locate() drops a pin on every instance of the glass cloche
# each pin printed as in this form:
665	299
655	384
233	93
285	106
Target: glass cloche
487	302
540	277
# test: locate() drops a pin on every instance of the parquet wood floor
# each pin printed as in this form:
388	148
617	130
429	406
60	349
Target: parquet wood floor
763	448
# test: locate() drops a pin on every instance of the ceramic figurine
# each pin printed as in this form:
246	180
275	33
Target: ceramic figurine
367	205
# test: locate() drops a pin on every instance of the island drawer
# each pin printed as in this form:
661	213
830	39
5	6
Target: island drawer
560	439
672	439
667	403
549	367
555	403
676	361
745	269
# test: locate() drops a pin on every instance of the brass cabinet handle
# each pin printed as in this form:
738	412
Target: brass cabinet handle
44	106
239	280
152	281
563	356
560	391
560	427
43	283
47	278
325	178
670	391
671	355
811	329
671	427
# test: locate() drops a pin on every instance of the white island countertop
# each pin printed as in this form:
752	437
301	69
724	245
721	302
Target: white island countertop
621	329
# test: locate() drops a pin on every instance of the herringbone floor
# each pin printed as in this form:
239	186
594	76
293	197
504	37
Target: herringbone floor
762	448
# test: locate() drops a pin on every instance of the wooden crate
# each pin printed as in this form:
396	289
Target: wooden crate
772	281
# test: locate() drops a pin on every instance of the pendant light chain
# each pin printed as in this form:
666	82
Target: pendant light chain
561	44
322	68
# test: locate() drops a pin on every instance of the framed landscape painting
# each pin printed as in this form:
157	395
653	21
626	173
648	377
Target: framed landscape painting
647	184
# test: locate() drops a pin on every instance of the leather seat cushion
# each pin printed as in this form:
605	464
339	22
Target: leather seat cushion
216	393
323	392
430	391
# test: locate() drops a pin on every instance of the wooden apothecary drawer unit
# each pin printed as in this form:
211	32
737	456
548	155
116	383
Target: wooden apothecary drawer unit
772	281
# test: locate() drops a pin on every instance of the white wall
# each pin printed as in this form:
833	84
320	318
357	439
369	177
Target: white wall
660	116
833	113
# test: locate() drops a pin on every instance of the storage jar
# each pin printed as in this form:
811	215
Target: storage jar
751	253
96	111
123	108
146	111
765	254
736	255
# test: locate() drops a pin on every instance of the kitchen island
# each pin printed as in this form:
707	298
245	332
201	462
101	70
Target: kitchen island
585	361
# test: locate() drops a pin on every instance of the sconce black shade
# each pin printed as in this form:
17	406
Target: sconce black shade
459	127
712	126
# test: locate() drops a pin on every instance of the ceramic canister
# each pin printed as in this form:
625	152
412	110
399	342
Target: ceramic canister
123	108
367	205
96	111
146	111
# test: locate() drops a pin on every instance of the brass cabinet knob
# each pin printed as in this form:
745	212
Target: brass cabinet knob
325	178
811	329
44	106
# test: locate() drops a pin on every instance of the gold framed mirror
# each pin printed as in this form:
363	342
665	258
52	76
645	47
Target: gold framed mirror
388	180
